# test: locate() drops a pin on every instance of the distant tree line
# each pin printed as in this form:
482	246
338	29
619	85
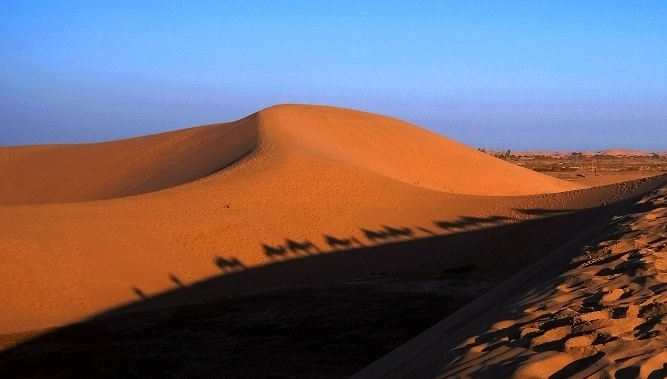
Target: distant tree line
506	154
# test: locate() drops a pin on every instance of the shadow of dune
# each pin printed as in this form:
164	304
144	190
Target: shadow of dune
492	252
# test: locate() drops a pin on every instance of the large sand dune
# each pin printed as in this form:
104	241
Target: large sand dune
85	172
312	180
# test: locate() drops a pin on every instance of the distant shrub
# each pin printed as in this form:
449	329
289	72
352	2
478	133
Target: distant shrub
504	155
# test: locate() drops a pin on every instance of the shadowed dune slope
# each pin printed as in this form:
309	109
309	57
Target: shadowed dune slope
45	174
319	180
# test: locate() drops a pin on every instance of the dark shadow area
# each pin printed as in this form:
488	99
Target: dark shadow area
631	372
328	331
577	366
324	315
660	373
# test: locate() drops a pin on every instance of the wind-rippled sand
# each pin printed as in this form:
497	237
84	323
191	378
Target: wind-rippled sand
600	314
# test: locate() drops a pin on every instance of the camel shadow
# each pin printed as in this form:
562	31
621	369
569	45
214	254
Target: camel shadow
495	252
228	265
341	243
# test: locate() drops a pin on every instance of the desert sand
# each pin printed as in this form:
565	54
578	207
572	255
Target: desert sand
314	171
147	222
595	311
603	178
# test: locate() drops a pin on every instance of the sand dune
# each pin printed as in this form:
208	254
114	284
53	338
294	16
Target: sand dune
85	172
312	180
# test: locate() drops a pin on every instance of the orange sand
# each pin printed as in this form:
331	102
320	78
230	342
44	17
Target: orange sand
86	228
602	315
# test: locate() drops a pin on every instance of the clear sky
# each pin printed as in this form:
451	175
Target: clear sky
568	75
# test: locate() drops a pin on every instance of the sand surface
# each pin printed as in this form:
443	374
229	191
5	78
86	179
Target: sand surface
592	310
318	179
589	179
45	174
149	222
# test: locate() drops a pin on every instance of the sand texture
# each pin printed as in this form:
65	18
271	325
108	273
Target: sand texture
46	174
298	195
318	179
593	310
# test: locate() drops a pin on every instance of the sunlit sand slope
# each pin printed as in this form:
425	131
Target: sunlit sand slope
84	172
595	309
401	151
318	181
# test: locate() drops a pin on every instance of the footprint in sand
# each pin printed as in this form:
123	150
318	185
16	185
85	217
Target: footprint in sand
592	316
612	295
542	366
551	335
580	341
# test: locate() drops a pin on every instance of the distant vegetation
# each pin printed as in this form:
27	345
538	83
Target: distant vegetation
577	161
505	154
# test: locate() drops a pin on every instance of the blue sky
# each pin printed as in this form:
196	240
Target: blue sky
499	74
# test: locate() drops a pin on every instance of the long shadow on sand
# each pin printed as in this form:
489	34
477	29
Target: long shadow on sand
323	315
